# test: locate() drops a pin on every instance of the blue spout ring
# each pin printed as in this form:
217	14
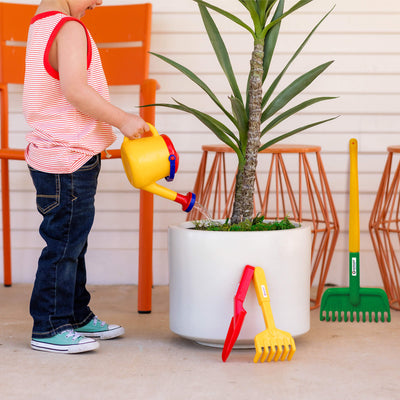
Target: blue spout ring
191	204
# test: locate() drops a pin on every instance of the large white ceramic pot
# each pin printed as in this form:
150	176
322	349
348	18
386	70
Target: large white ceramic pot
205	269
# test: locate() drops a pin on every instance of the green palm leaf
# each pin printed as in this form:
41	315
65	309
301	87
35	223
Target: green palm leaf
262	6
192	76
280	118
251	7
220	50
297	52
271	38
217	127
227	15
293	90
298	5
265	7
293	132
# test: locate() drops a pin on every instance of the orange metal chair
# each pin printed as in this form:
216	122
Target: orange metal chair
123	35
291	188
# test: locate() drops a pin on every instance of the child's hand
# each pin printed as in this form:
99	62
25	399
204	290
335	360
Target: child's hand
134	127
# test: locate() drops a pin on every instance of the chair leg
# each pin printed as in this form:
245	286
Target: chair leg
145	273
145	268
5	197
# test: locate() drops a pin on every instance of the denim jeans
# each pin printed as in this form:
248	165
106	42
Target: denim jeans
59	298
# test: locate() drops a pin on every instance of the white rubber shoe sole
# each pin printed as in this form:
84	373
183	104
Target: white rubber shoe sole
67	342
112	332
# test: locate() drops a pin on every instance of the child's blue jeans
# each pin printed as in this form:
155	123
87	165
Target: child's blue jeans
66	201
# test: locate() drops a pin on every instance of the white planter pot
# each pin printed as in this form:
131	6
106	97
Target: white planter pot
205	269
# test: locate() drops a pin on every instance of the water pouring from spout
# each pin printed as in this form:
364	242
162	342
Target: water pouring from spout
203	212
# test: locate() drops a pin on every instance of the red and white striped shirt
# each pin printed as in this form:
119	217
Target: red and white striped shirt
62	138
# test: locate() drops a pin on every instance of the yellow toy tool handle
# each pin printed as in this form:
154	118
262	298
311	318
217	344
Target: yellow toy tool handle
354	216
153	130
260	284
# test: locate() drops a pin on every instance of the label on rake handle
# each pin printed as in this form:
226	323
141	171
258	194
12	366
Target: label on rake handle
353	266
264	291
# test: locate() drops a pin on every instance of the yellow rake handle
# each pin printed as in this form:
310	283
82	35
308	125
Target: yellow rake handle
354	216
260	284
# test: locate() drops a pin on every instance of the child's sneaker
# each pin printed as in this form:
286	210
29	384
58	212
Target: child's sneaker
67	341
100	330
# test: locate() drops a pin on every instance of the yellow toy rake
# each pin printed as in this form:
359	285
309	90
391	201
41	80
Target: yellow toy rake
273	343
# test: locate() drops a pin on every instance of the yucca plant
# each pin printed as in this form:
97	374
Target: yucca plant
257	110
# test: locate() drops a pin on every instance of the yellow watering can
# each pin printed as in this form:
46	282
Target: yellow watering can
150	159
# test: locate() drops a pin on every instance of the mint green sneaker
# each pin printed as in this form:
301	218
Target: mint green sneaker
100	330
67	341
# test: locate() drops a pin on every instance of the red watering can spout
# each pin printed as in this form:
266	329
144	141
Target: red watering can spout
187	201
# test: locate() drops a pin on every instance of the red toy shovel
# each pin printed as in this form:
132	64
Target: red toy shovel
239	312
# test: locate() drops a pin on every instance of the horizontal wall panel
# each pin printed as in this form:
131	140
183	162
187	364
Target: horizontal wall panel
367	23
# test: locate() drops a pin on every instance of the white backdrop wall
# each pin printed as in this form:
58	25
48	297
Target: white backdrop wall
361	36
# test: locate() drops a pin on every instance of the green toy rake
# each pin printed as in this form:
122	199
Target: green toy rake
341	302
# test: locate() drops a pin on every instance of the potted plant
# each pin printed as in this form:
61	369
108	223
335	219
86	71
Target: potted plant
256	110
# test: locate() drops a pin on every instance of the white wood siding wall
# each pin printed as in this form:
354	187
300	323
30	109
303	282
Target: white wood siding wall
362	37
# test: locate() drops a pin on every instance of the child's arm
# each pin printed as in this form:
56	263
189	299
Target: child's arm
69	57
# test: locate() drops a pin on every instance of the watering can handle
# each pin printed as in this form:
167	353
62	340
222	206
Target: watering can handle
171	159
153	130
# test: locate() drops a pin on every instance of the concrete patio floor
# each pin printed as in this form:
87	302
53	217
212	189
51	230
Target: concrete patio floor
332	361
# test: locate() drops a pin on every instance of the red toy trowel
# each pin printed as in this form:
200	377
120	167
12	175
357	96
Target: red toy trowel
239	312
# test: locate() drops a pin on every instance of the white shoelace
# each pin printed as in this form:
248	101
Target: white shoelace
95	320
73	334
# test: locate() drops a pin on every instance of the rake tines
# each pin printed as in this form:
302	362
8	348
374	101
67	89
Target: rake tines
372	305
272	348
273	343
376	315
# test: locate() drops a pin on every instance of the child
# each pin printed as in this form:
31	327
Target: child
66	103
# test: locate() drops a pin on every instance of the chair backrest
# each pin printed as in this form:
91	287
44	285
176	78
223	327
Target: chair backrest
122	33
14	25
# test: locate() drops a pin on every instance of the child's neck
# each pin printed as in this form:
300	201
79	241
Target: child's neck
53	5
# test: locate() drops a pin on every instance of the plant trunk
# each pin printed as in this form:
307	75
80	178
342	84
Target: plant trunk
245	179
